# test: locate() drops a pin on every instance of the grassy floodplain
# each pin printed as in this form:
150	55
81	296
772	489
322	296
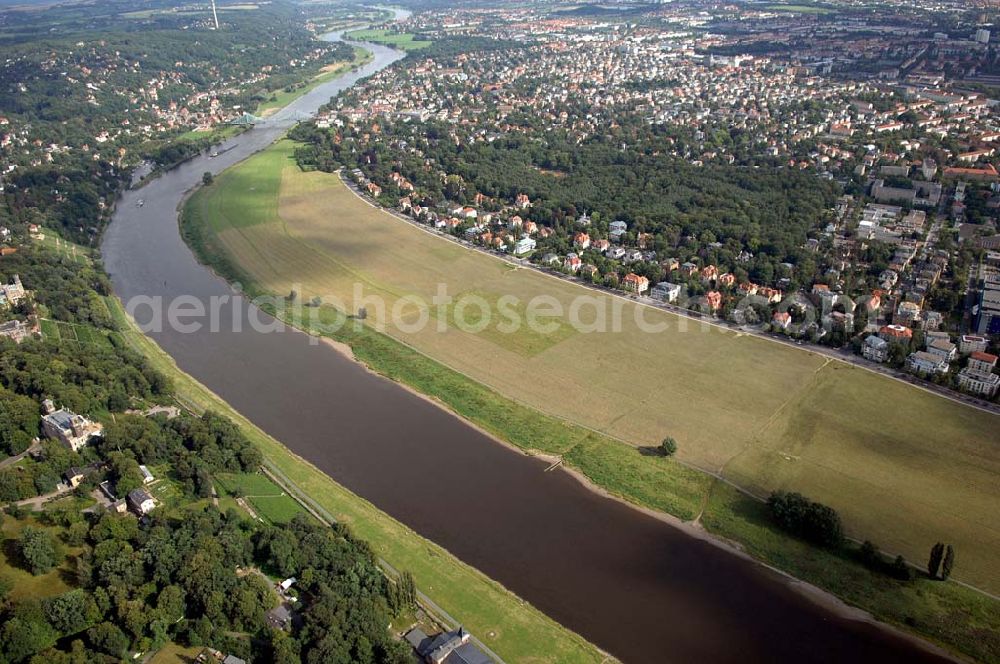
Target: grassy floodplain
888	456
404	41
282	98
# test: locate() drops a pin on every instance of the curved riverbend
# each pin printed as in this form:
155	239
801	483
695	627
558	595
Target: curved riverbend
641	588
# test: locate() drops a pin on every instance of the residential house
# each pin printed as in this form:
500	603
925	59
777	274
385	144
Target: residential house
601	245
17	331
13	293
616	229
635	283
907	314
971	343
581	241
280	617
572	263
978	377
72	430
943	348
875	348
666	291
524	246
453	647
141	501
76	474
925	363
781	320
713	300
895	333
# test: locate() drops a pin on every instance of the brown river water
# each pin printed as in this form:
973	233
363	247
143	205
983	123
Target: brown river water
640	588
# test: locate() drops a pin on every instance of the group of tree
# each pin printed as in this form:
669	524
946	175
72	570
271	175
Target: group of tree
941	561
180	577
812	521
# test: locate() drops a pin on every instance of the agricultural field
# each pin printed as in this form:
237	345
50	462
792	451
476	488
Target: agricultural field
904	467
404	41
73	332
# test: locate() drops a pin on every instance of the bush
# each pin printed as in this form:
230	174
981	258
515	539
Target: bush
668	446
804	518
901	570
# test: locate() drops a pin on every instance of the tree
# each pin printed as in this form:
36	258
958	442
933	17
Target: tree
934	563
108	638
37	549
21	638
870	555
207	178
901	570
809	520
668	446
70	612
949	562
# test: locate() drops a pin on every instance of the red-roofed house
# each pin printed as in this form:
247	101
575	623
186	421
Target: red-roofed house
634	283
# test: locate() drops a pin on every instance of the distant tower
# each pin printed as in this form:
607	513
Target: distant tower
215	16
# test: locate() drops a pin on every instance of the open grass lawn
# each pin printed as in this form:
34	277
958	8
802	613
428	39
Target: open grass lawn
267	498
49	329
174	653
514	629
905	468
24	584
404	41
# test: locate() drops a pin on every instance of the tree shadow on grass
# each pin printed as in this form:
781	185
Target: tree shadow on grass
13	555
651	451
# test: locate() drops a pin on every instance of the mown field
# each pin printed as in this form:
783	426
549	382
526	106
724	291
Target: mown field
265	497
904	467
404	41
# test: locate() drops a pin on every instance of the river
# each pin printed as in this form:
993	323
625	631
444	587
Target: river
640	588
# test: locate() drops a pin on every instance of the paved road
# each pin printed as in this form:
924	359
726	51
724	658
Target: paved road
840	354
37	502
10	461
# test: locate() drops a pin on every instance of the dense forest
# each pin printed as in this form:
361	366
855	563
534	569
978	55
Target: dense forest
198	579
